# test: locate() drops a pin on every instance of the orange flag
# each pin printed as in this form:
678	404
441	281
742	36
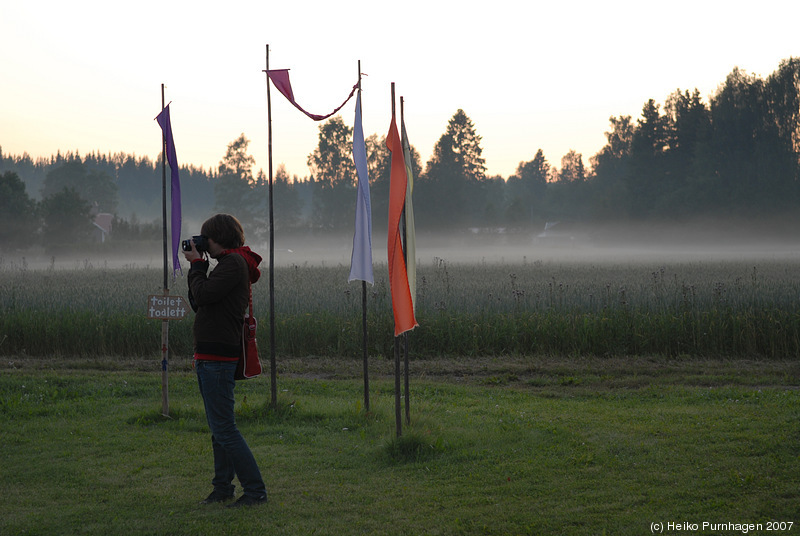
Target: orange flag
402	304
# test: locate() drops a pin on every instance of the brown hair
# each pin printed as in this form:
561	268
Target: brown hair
225	230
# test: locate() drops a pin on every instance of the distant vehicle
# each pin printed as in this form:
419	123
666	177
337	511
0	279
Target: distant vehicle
560	233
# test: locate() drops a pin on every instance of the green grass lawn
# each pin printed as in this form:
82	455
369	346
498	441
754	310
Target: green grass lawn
505	446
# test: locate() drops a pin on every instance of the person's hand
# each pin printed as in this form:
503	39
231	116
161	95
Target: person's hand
193	254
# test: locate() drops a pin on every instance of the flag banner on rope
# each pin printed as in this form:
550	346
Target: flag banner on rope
361	258
280	77
175	191
411	241
402	304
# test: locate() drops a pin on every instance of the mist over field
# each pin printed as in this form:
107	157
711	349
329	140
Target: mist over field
563	242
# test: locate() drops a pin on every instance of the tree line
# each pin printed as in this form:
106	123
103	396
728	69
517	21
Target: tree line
736	155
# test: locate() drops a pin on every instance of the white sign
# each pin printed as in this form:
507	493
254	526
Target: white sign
166	307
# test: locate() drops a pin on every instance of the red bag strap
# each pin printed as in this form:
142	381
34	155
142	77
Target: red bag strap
250	290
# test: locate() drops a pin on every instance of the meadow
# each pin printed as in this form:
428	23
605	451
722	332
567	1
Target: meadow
670	307
516	446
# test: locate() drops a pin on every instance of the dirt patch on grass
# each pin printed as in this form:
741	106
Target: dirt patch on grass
530	372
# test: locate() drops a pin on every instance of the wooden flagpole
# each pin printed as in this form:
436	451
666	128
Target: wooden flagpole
164	322
365	352
273	370
398	413
405	373
405	260
364	307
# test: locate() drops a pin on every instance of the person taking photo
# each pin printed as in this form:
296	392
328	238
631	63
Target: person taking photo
219	299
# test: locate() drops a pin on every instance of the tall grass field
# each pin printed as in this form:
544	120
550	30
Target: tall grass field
748	308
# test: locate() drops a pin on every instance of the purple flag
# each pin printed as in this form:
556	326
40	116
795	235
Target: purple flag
175	193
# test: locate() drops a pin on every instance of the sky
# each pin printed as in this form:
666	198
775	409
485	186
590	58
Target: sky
86	75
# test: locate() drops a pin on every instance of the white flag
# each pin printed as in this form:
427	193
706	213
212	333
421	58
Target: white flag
361	259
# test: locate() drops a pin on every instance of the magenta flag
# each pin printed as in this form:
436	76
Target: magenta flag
172	158
280	77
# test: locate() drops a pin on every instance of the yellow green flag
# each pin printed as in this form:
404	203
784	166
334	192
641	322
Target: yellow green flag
411	245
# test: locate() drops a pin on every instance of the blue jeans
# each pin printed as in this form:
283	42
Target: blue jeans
232	456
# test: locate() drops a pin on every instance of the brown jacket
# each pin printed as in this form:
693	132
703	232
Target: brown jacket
219	299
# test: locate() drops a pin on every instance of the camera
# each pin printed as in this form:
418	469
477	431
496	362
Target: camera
200	243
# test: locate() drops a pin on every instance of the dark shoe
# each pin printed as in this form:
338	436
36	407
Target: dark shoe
248	500
217	496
